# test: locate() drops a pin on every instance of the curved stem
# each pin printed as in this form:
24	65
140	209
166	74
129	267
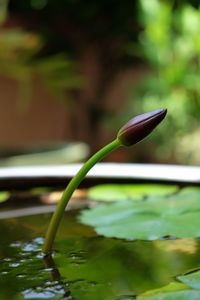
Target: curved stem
73	184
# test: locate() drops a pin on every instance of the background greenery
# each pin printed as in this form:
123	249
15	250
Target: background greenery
53	39
170	44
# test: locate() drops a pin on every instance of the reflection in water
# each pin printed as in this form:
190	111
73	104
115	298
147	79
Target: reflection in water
189	245
126	298
50	265
88	267
56	278
36	277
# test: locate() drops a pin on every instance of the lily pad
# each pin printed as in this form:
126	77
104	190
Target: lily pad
171	288
190	189
4	196
192	279
115	192
177	295
153	218
188	287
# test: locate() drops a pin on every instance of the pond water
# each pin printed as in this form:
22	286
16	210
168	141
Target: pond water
85	266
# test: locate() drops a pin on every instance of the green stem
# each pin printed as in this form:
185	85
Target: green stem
73	184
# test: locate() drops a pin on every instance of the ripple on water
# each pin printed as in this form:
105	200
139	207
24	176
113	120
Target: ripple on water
92	269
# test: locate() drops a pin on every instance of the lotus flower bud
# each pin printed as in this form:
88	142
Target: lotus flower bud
140	126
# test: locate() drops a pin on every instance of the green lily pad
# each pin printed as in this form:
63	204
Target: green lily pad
115	192
4	196
179	295
176	215
190	190
40	190
192	280
188	287
171	288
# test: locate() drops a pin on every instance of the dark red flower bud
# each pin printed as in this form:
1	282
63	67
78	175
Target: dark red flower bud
140	126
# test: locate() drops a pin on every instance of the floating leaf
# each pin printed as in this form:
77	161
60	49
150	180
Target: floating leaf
188	288
190	190
176	215
172	287
40	190
177	295
192	279
115	192
4	196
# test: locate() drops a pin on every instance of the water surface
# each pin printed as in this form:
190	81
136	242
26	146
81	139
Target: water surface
85	266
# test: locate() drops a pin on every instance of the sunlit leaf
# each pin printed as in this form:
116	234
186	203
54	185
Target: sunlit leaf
115	192
190	21
4	196
152	218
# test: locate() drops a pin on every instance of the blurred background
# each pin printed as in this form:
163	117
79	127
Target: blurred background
73	71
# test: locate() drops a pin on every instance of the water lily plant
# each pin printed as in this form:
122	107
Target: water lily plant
131	133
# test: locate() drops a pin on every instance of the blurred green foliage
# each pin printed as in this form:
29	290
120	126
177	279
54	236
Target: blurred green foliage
162	36
170	44
20	60
95	35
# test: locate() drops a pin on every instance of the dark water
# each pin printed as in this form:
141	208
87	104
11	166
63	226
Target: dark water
85	266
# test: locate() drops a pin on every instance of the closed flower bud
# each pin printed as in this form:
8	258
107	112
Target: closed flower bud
140	126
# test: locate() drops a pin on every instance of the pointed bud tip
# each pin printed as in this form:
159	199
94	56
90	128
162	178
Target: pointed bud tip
140	126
